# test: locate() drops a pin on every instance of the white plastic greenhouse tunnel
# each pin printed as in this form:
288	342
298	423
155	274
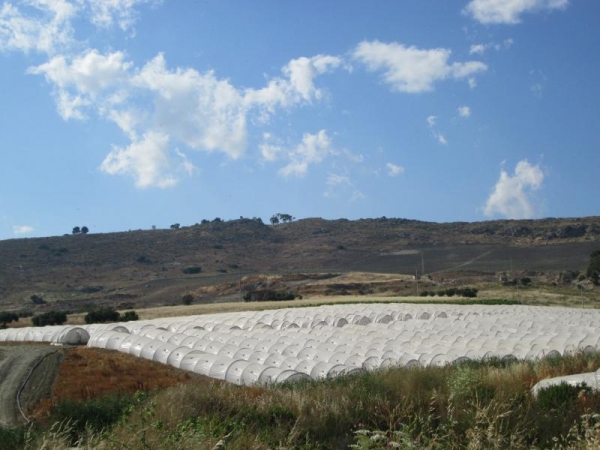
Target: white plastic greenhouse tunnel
291	344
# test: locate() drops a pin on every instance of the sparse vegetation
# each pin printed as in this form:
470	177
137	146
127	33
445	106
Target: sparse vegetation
191	270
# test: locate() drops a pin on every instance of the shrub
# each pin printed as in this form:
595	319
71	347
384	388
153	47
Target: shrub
222	270
97	414
560	395
102	315
25	313
7	317
175	226
49	318
233	266
129	316
593	270
525	281
143	259
218	246
424	294
37	299
187	299
191	269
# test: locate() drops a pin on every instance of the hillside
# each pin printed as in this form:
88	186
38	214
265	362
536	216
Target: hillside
140	268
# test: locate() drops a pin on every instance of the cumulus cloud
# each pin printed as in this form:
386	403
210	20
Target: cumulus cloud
198	110
313	149
512	196
297	85
410	69
22	229
39	26
509	11
147	160
394	170
464	111
84	80
46	26
271	148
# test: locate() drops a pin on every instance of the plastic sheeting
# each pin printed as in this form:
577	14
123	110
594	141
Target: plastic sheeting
297	343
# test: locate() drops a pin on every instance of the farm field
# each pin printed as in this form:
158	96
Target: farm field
480	402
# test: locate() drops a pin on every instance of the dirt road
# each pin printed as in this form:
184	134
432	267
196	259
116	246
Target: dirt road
26	370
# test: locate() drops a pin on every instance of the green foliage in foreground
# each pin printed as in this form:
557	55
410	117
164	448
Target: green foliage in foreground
478	405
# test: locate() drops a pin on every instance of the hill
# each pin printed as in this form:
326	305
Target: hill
147	267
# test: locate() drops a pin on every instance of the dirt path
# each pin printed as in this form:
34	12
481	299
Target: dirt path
35	363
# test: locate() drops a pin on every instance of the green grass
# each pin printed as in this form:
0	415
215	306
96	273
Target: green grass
478	405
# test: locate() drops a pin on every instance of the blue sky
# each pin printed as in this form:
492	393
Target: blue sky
123	114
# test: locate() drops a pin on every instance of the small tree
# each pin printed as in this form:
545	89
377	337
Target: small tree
175	226
49	318
593	270
84	230
274	220
7	317
129	316
102	315
76	230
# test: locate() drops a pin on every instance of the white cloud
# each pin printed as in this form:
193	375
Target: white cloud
472	83
431	122
312	150
394	170
147	160
38	25
477	49
271	148
105	13
480	49
22	229
46	26
338	185
464	111
509	11
511	197
410	69
297	86
84	80
198	109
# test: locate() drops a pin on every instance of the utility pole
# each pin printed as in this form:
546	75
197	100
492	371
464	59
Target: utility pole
422	263
417	279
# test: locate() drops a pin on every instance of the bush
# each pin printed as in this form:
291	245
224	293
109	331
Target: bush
129	316
37	299
49	318
102	315
560	395
96	415
187	299
7	317
143	259
593	270
191	269
525	281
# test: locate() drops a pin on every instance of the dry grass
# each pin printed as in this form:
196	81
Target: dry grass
89	373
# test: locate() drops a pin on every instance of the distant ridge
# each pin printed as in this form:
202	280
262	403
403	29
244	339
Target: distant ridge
148	263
